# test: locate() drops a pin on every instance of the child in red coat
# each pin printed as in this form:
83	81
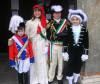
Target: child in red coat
20	53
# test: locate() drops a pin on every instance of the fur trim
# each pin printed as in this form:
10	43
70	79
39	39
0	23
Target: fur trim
78	12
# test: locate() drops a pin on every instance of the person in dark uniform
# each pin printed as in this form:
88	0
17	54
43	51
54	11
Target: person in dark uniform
77	43
56	31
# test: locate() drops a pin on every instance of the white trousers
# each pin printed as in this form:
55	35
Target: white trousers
57	59
23	65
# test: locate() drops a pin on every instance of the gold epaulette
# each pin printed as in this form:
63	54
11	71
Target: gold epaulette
49	24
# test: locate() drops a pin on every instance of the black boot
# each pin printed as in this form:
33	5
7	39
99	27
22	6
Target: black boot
26	78
49	82
20	78
76	83
60	82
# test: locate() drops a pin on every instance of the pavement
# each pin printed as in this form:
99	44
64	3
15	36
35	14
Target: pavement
7	74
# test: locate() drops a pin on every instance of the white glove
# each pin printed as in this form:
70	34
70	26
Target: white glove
84	57
65	56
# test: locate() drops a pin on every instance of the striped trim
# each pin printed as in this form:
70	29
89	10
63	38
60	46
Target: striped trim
50	51
61	27
42	33
18	42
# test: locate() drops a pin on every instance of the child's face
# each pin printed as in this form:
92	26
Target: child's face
37	12
57	15
21	32
75	20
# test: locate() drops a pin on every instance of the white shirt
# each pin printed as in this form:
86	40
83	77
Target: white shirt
76	31
57	20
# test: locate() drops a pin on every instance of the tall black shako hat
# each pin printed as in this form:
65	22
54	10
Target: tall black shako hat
21	26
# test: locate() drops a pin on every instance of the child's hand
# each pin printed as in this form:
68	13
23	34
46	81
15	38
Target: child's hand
30	38
10	42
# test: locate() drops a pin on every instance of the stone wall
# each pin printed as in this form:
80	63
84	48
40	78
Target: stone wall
92	66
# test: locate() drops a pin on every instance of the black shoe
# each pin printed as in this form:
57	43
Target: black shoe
60	82
26	78
76	83
49	82
20	78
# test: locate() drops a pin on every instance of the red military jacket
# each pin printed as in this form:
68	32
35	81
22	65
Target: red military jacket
15	47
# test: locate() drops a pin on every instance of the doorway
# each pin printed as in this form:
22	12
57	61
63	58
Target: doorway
25	6
25	10
66	4
4	24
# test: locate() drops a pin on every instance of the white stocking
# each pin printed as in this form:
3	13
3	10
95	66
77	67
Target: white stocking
76	76
70	79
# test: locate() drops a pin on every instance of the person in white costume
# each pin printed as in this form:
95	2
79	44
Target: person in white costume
35	29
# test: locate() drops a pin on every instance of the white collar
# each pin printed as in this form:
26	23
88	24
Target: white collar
76	25
57	20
